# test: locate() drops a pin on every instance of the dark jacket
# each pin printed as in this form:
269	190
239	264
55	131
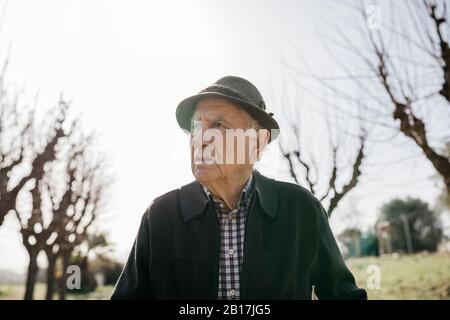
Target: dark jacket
288	248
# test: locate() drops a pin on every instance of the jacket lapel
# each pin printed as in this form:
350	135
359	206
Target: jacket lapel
193	200
267	194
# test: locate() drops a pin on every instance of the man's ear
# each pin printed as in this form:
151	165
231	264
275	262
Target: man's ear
263	141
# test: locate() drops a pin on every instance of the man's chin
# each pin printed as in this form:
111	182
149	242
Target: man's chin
205	172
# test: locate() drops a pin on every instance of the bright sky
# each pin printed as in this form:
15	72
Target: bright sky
127	64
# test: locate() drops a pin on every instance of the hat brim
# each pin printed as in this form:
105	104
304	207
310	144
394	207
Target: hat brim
186	108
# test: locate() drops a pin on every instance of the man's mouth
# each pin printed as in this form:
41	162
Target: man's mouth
199	160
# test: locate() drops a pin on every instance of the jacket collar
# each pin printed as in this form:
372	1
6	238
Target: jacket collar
193	200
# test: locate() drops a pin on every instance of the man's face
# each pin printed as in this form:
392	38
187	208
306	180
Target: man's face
222	141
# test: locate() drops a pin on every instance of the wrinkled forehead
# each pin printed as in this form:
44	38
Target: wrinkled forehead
212	108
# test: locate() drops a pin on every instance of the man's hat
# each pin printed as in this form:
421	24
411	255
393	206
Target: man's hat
234	89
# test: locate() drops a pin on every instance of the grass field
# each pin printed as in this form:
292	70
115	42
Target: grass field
406	277
15	292
402	277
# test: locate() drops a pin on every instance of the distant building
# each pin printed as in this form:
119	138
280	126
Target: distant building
384	237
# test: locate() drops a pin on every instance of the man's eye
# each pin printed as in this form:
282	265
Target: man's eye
219	125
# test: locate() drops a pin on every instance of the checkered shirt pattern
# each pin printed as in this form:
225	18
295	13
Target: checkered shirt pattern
232	233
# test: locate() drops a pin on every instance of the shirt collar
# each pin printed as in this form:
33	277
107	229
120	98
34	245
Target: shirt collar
245	194
193	199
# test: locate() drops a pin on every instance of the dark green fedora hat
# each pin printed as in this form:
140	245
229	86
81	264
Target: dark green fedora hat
237	90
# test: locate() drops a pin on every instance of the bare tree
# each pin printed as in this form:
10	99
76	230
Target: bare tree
15	130
333	192
86	206
33	230
331	183
75	211
403	99
10	157
403	63
59	208
65	185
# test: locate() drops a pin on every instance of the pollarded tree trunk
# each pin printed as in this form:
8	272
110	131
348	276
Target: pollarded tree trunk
31	275
63	282
51	275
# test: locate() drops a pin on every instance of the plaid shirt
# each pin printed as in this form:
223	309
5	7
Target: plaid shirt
232	232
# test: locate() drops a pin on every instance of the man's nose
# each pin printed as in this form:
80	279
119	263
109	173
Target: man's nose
197	136
200	138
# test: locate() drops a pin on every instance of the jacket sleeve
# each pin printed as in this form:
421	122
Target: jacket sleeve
133	283
333	279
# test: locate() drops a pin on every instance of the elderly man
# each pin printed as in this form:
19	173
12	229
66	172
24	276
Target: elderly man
234	233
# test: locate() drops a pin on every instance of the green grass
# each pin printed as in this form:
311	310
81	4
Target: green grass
402	277
16	292
418	276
